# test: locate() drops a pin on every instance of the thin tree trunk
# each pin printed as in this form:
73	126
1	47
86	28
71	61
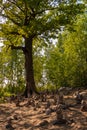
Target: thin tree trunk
29	73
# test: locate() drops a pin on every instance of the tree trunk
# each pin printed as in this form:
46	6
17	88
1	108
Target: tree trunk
29	73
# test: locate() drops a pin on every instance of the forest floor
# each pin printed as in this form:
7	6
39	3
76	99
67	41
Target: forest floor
40	114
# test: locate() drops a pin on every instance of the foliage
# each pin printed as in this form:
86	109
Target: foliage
42	18
67	61
11	69
41	21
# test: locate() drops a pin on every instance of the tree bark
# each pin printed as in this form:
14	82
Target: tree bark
29	72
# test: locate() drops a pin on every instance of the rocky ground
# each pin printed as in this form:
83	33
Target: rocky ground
65	110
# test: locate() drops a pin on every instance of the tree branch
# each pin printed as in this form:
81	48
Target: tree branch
15	22
13	2
16	47
43	10
17	33
19	48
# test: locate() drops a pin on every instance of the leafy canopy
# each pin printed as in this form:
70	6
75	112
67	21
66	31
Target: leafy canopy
30	18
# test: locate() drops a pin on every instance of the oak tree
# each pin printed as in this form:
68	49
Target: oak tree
25	20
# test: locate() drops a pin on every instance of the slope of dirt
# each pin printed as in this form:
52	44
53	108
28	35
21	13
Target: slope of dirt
33	114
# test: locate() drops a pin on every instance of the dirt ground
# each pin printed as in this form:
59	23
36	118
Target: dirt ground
35	114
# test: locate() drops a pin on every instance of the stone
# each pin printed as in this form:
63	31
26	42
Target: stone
59	122
48	111
15	117
60	99
26	125
43	123
78	98
59	115
9	127
47	104
84	106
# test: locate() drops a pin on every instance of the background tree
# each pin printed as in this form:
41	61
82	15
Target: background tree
67	60
76	42
11	69
26	20
39	59
55	64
